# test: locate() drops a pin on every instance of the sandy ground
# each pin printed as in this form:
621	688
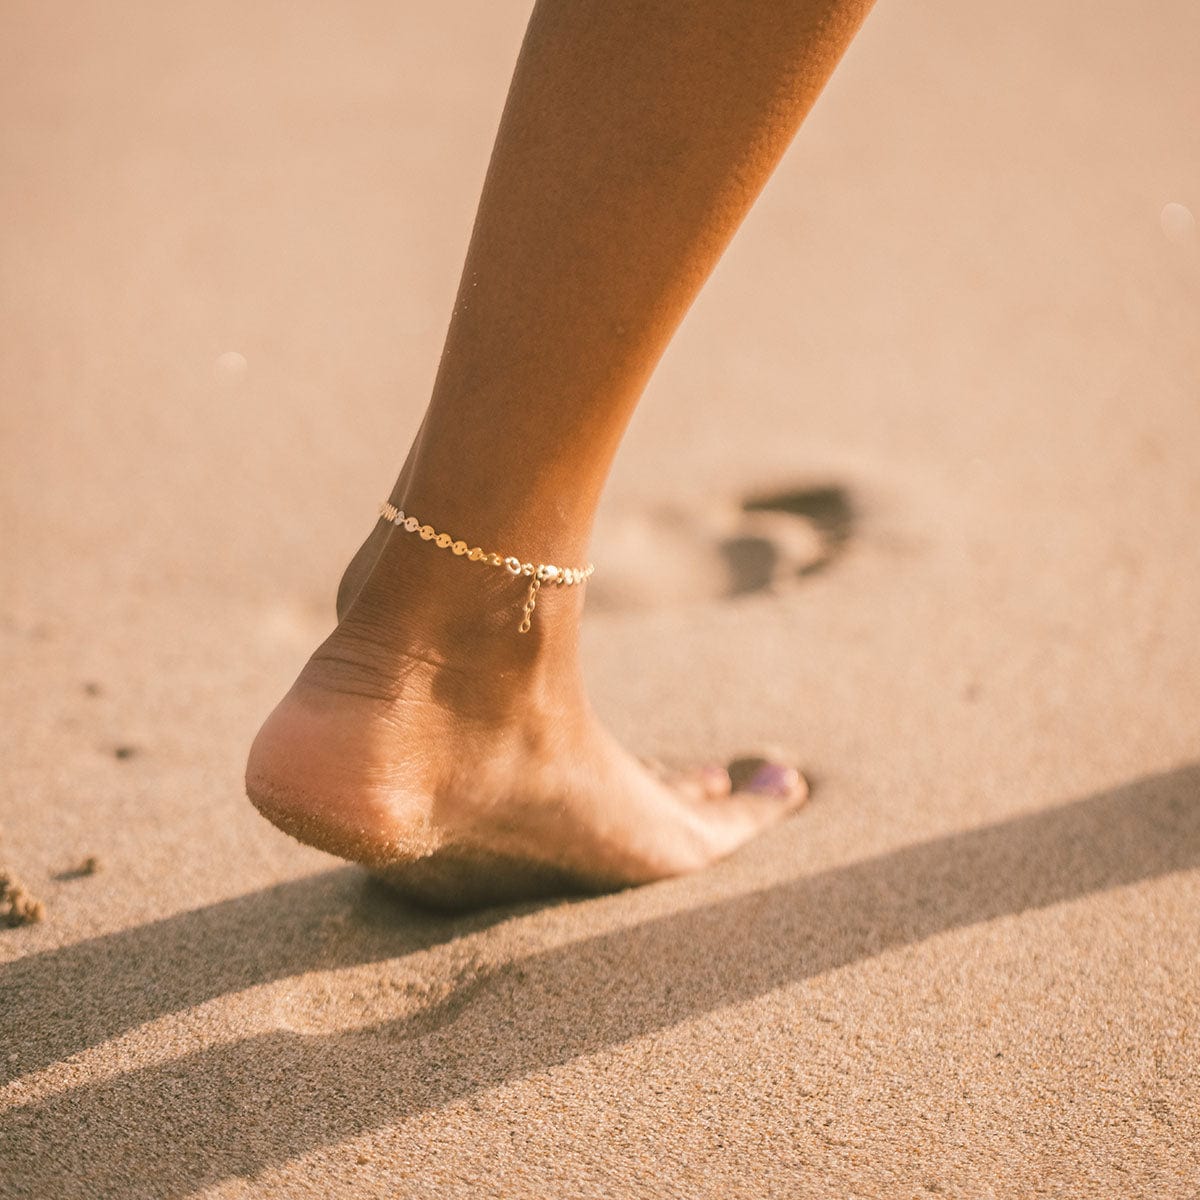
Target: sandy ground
959	323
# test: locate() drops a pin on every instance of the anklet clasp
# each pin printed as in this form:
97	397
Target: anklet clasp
537	573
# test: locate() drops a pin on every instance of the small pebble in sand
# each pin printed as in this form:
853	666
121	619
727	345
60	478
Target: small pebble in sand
1178	224
88	866
230	367
17	906
124	752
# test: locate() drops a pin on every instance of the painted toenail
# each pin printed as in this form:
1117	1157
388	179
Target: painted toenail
773	779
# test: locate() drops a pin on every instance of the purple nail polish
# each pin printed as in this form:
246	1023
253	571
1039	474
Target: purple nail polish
772	779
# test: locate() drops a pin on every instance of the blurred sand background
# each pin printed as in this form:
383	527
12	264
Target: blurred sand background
961	325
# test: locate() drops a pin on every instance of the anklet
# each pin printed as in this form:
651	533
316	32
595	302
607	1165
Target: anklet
536	573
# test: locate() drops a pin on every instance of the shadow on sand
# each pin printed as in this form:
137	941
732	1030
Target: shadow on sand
236	1109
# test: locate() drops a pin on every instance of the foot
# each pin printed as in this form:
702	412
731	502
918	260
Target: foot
460	760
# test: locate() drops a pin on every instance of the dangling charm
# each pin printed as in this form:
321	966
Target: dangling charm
530	603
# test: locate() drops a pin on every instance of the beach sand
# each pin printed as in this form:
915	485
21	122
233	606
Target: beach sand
953	359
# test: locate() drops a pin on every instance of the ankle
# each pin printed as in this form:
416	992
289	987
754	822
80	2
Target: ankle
431	622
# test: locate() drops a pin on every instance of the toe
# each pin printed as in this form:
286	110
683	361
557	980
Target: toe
765	790
773	793
709	781
771	779
768	778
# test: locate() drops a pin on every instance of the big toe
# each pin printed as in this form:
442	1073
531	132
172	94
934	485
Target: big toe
770	777
763	791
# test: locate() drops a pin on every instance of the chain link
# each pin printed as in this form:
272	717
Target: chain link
530	605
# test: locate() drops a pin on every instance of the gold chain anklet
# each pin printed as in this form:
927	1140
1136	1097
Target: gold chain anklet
536	573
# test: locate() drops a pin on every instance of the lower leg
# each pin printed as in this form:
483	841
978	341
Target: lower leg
635	139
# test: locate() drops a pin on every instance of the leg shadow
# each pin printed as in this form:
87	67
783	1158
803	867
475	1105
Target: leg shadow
86	993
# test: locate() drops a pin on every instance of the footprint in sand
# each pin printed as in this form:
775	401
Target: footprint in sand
667	556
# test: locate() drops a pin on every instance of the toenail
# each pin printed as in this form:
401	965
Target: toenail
773	779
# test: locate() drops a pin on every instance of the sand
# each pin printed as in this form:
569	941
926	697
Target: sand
951	362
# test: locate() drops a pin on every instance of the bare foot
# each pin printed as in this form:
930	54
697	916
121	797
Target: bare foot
461	761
